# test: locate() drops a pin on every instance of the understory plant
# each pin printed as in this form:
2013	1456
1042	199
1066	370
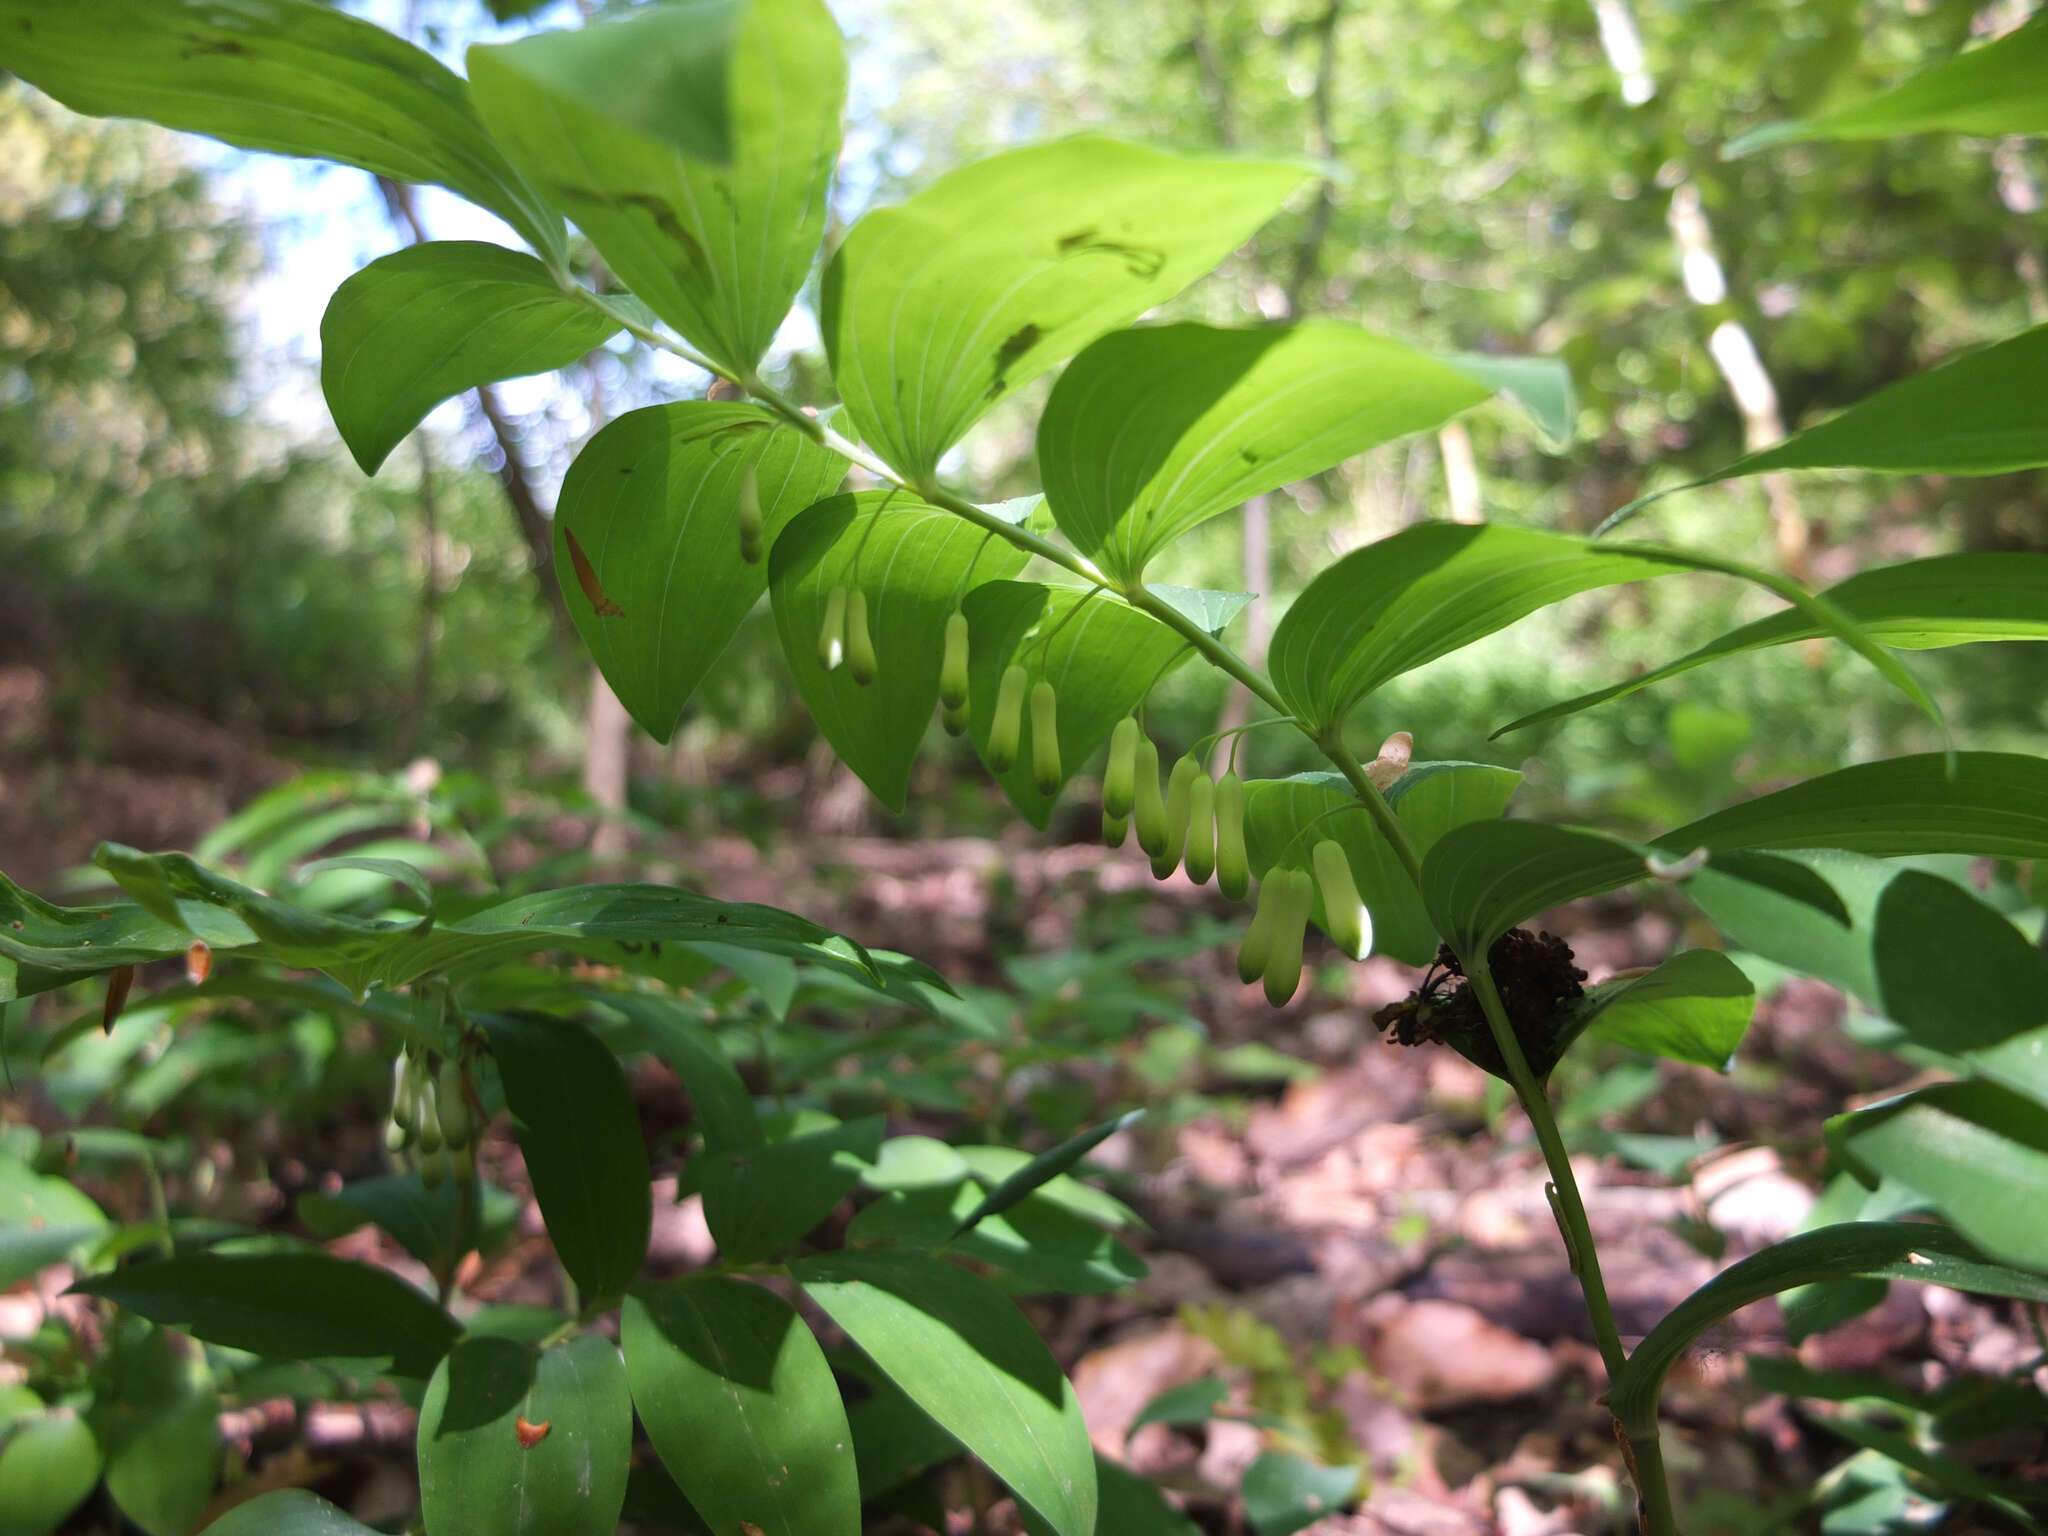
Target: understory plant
693	145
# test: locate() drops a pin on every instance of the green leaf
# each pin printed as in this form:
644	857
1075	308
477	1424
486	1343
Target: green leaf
936	309
1484	878
293	1306
694	143
1988	92
48	1464
1045	1167
653	502
1130	1507
289	76
1881	1250
742	1407
1695	1008
421	1220
1192	1402
1945	1472
893	1438
477	1470
1285	818
1994	804
616	923
966	1356
580	1136
1209	611
758	1200
1036	1244
54	946
24	1250
1151	432
1541	386
293	1512
914	563
1284	1493
162	1472
1433	588
915	1162
1977	1150
1976	414
1423	593
991	1165
723	1106
426	323
1100	655
1920	605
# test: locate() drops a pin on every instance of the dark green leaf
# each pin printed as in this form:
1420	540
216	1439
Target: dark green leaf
694	143
1283	1493
564	1475
724	1109
991	1165
915	563
1945	1472
1990	92
1921	605
893	1438
742	1407
1046	1166
653	501
1036	1244
162	1472
1977	1151
1486	877
290	76
421	1220
1100	655
970	1360
426	323
295	1306
1151	432
1695	1007
1192	1402
48	1464
1995	804
580	1136
294	1512
936	309
1883	1250
760	1199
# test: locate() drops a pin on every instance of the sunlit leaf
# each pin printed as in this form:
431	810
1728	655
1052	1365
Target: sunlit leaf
1977	1151
426	323
914	563
1151	432
1695	1008
290	76
653	501
966	1356
526	1441
1100	655
1920	605
694	142
742	1407
939	307
1988	92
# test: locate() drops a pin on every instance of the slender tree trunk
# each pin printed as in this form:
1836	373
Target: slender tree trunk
430	607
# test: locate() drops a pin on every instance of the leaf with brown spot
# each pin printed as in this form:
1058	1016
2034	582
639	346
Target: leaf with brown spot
530	1434
586	578
118	983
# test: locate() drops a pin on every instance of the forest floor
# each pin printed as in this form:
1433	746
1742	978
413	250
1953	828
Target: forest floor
1362	1247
